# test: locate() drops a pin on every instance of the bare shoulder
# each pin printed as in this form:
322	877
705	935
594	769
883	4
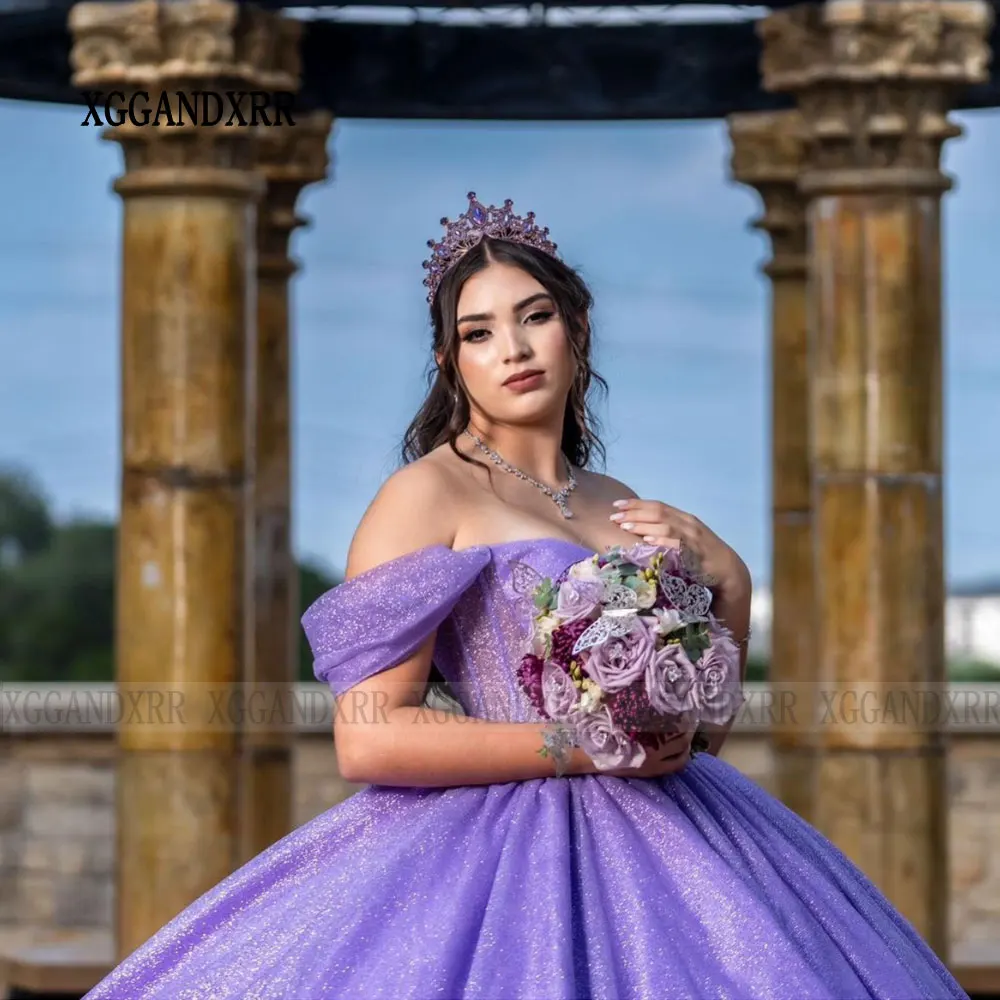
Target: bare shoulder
605	487
414	508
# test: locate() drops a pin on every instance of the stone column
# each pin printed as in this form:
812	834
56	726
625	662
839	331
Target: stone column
289	160
767	155
188	300
873	80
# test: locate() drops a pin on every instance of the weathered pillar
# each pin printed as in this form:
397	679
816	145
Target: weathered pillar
289	160
187	315
767	155
873	79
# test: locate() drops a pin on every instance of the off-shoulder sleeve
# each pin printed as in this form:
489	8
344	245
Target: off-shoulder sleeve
380	618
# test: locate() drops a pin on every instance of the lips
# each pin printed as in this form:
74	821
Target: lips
521	376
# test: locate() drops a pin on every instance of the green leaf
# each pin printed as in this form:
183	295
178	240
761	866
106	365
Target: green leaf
695	639
545	595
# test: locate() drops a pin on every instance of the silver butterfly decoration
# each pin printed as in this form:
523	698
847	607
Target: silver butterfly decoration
617	618
524	579
692	600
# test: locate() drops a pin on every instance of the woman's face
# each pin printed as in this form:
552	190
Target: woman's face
513	352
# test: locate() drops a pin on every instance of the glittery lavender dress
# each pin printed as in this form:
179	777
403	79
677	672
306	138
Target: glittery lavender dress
694	885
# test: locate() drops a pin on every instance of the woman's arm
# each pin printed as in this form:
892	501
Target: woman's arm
415	746
732	608
382	732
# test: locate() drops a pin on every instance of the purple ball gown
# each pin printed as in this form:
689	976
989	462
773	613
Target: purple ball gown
695	885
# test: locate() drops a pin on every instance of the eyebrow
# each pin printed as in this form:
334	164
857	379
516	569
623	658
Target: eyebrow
479	317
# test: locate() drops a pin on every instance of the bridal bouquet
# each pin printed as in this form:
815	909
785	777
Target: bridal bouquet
625	652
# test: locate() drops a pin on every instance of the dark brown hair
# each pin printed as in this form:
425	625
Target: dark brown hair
445	412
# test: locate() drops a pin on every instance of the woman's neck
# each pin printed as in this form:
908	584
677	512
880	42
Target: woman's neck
536	451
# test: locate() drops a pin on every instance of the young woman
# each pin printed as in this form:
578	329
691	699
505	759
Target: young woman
472	866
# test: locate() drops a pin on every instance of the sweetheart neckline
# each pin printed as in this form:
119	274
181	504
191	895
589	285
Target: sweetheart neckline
526	541
384	567
484	552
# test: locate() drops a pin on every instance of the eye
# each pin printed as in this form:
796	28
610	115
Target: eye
474	336
540	316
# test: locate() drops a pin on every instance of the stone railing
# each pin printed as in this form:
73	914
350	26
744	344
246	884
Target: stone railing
57	784
92	709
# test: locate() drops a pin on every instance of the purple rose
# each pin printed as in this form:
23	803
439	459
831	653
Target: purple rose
559	693
605	744
673	564
717	685
641	554
578	598
618	661
671	680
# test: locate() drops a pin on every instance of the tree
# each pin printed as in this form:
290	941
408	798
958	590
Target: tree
313	582
25	523
57	601
757	668
57	607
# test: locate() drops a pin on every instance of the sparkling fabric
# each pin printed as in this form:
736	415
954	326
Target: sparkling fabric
699	885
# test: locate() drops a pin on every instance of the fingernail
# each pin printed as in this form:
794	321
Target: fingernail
628	525
617	517
649	538
620	503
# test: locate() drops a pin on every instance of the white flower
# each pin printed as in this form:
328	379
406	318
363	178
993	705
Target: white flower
667	620
586	570
541	633
645	593
590	698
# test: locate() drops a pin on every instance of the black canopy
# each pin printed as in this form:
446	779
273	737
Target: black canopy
423	65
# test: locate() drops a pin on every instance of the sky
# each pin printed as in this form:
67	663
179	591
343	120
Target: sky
645	210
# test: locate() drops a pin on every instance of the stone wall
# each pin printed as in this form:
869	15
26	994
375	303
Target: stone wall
57	829
57	832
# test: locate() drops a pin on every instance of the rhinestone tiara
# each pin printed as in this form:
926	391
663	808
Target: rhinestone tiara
468	229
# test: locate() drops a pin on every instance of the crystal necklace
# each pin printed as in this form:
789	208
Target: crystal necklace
559	497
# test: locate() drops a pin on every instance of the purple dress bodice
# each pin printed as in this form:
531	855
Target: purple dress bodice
379	618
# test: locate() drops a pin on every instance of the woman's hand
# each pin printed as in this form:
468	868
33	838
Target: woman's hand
706	555
669	758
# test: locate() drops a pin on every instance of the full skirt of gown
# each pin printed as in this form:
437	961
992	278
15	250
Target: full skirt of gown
696	885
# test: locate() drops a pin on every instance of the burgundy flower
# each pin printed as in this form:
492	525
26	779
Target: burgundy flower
564	639
529	674
632	712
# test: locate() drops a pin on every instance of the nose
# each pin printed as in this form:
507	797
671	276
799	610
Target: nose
515	344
